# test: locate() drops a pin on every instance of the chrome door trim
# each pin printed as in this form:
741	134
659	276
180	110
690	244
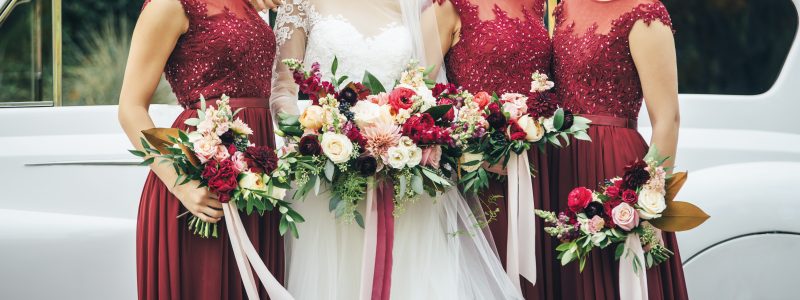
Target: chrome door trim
86	163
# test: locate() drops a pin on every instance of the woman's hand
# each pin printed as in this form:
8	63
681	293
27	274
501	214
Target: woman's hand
264	5
497	168
199	201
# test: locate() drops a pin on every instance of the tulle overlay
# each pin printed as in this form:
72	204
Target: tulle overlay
587	164
172	263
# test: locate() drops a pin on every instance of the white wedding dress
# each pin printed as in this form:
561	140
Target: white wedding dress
439	251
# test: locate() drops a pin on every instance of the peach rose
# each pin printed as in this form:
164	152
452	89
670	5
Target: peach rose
625	216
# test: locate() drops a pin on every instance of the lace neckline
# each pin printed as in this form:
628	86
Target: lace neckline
592	29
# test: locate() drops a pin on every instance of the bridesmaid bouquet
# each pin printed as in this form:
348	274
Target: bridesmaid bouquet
497	126
219	155
634	205
356	131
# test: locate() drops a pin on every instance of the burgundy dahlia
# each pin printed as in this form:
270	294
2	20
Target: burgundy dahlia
635	175
261	159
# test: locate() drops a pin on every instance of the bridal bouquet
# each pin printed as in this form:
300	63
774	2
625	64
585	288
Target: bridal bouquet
354	132
219	155
638	203
491	128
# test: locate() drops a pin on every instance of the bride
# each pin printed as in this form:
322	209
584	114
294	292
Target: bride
439	250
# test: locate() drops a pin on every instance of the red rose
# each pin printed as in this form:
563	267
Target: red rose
451	114
515	132
483	99
422	130
612	191
444	88
209	171
578	199
224	181
400	98
494	107
608	206
261	159
630	197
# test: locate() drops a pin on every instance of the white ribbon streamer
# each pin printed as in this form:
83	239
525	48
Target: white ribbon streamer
370	242
521	248
246	255
632	284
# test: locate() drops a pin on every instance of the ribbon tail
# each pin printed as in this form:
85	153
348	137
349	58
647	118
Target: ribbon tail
274	289
527	221
632	280
370	242
512	248
238	252
382	280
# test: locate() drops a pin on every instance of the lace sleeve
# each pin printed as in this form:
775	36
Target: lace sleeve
291	29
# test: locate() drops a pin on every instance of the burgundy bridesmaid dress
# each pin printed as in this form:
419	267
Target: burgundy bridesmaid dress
229	50
502	42
596	76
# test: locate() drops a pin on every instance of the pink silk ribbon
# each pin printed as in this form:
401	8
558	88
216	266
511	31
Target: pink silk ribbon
246	255
376	272
521	248
632	284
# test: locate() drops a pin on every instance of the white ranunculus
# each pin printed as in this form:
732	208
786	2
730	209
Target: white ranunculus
533	130
366	113
252	181
548	124
651	203
405	141
470	157
398	157
337	147
414	156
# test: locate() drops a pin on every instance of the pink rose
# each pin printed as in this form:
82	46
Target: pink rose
625	216
206	148
596	224
514	110
222	153
431	156
239	162
379	99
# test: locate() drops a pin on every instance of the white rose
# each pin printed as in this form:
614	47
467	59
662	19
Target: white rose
385	116
468	157
366	113
337	147
415	156
252	181
398	157
548	124
651	203
405	141
533	130
312	117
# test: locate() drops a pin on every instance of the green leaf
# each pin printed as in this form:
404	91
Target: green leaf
335	65
437	112
582	135
359	219
558	119
416	184
554	140
330	169
372	83
564	246
567	257
583	263
619	250
341	80
283	226
652	154
138	153
296	216
147	162
288	119
295	233
184	138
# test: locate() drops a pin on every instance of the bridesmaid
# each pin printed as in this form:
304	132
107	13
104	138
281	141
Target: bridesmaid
608	56
207	48
495	46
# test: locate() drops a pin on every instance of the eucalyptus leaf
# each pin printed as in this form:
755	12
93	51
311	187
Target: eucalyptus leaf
416	184
330	170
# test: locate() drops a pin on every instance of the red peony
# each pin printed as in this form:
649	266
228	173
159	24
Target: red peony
224	181
483	99
630	197
612	191
494	107
515	132
578	199
421	129
261	159
400	98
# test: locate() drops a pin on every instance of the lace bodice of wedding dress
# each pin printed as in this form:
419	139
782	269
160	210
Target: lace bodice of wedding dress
365	35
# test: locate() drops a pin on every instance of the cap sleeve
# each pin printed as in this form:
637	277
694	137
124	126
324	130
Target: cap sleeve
647	12
192	8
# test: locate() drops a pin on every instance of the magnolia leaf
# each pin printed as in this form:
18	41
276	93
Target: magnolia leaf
674	185
283	226
568	256
564	247
558	118
652	154
192	121
202	103
330	169
680	216
582	135
159	137
437	112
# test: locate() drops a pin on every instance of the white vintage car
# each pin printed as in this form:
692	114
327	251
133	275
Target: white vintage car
70	192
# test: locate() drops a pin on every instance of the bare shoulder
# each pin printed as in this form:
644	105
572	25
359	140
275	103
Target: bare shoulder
164	13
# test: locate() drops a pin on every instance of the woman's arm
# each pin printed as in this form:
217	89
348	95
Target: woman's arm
160	25
449	24
653	50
